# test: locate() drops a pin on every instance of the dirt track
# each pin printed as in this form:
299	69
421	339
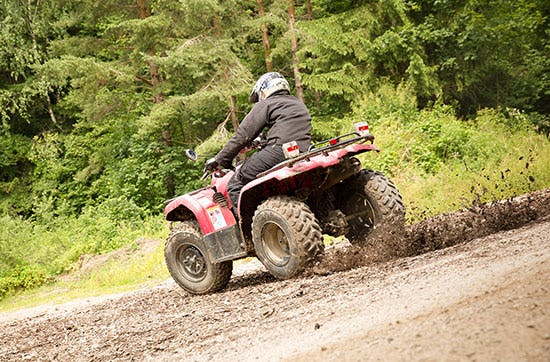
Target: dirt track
457	297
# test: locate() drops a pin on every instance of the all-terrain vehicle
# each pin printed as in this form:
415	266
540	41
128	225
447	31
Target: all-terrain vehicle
282	214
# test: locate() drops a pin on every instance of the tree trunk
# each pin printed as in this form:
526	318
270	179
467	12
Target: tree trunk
30	19
265	39
232	103
155	81
231	99
144	9
144	12
294	49
309	11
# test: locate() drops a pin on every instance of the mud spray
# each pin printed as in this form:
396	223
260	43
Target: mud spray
478	220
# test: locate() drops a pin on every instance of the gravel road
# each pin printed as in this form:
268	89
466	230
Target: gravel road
471	285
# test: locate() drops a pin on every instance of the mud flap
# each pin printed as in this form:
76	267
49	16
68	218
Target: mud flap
225	245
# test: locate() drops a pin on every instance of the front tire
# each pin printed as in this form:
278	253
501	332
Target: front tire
286	236
188	262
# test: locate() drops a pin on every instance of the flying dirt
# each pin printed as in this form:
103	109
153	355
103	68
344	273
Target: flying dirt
469	285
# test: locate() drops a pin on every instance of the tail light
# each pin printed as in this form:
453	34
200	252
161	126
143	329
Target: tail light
362	128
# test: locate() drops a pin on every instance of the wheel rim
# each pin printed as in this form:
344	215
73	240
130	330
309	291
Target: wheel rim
276	245
361	213
191	263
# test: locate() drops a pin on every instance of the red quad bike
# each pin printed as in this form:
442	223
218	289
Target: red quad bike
282	214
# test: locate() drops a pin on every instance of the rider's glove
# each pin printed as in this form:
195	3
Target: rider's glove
260	141
211	165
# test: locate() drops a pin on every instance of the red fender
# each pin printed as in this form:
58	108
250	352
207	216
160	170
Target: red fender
210	216
323	160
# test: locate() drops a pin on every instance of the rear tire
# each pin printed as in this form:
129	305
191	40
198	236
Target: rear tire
286	236
373	205
188	262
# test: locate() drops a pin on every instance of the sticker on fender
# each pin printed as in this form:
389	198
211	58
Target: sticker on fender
216	217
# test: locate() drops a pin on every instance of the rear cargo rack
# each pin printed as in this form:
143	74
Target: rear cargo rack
323	147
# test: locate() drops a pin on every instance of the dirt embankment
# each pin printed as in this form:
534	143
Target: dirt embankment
471	285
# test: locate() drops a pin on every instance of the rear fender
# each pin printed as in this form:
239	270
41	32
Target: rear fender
200	205
252	193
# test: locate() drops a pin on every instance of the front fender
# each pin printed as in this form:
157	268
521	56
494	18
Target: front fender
200	205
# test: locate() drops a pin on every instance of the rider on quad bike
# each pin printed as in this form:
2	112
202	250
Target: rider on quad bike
287	119
277	204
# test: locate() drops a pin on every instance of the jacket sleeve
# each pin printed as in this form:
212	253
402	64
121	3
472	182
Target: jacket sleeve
251	126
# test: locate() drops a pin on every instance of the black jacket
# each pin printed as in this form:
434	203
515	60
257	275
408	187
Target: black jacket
286	117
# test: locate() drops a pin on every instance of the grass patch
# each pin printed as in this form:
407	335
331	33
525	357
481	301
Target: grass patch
459	184
33	254
441	163
129	268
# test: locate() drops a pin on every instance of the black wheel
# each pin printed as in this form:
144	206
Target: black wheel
286	236
372	205
189	264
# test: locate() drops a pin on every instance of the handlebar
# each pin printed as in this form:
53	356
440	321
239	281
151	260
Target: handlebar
215	173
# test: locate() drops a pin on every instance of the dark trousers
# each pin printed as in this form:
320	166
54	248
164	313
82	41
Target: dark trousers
259	162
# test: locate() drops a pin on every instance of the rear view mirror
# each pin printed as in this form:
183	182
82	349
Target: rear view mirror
191	154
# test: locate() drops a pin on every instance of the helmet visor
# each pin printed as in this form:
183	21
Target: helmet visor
253	97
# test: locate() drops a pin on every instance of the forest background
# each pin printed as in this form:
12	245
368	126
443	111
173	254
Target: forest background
99	100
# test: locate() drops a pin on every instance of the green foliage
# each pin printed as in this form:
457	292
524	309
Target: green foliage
354	52
32	254
489	53
14	150
441	163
